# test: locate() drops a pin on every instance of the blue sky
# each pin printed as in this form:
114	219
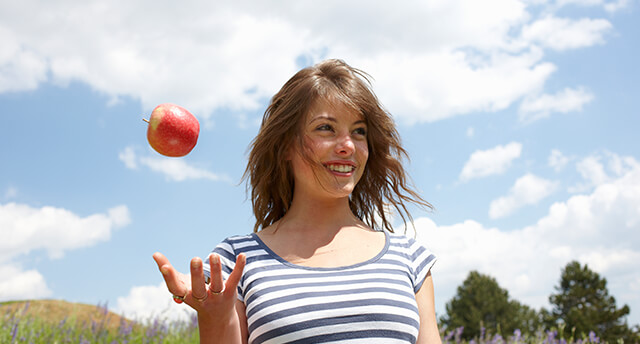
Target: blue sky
520	118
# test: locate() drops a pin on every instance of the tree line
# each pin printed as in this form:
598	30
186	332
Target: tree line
581	304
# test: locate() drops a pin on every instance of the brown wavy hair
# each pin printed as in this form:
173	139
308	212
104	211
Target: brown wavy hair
384	183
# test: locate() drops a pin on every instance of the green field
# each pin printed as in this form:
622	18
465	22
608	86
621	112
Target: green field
55	321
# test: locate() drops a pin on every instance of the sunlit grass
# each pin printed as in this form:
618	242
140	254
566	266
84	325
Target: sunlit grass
95	324
18	325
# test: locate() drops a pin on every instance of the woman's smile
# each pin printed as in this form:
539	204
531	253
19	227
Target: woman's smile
341	168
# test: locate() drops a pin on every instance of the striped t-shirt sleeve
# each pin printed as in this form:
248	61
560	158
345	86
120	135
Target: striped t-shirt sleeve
422	260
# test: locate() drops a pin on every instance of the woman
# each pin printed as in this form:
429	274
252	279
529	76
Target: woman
323	264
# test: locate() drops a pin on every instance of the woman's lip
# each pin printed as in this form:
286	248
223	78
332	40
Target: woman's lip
340	162
341	168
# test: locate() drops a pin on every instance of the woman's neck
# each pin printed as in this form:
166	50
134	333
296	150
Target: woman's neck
327	213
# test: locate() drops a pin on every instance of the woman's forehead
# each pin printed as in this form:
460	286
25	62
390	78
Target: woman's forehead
325	109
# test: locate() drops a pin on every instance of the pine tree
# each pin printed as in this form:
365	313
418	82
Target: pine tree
583	303
481	303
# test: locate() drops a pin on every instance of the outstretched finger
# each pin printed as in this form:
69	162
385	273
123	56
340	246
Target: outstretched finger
217	282
171	277
198	287
236	274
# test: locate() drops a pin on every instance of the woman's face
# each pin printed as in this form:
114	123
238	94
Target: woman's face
336	141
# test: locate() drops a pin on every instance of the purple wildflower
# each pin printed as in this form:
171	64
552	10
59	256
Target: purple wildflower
458	334
14	332
517	335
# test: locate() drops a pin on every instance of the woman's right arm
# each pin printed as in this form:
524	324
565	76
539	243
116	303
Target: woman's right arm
221	317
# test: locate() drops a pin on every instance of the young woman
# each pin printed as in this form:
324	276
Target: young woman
323	264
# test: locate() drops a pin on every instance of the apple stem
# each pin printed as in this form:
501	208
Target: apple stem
146	120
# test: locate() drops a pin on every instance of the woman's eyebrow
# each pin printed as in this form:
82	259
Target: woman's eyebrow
334	120
323	117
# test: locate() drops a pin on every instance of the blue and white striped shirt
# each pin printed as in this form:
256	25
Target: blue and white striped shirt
369	302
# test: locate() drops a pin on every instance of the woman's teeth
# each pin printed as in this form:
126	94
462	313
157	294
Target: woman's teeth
341	168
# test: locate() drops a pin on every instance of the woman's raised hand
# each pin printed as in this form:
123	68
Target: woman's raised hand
217	298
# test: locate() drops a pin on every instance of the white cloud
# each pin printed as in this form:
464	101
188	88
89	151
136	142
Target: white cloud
609	6
430	60
557	160
528	261
54	230
173	169
600	168
592	170
20	67
436	86
564	33
17	284
25	229
179	170
615	6
128	157
527	190
541	106
490	162
150	302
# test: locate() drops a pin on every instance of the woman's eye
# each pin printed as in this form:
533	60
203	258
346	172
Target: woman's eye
324	127
361	131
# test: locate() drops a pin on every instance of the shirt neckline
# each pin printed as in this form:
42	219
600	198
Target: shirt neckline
314	268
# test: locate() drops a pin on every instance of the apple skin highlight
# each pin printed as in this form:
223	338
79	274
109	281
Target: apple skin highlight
173	131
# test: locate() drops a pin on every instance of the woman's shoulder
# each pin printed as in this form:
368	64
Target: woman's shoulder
238	238
401	239
236	243
407	244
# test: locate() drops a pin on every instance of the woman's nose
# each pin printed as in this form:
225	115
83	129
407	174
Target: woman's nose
345	145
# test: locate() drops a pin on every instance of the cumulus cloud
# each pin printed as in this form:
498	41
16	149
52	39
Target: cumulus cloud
527	190
152	302
497	160
128	157
564	33
609	6
615	6
601	168
54	230
430	60
541	106
435	86
173	169
528	261
17	284
25	229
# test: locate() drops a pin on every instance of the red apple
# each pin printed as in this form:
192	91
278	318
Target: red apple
173	131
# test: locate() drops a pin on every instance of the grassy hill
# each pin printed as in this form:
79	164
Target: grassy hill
55	312
58	321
